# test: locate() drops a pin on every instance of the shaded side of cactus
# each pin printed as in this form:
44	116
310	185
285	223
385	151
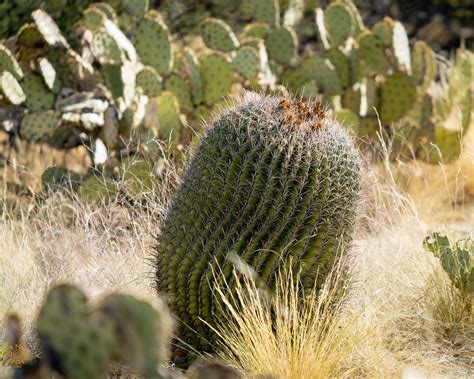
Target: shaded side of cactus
273	179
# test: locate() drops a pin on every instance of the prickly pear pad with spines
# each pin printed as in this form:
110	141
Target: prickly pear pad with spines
9	63
272	179
256	29
341	63
168	116
150	82
281	44
384	30
94	18
11	88
397	96
137	8
36	126
371	54
143	332
191	70
339	23
217	35
105	49
38	96
30	36
246	62
180	87
266	10
76	342
153	43
423	62
217	77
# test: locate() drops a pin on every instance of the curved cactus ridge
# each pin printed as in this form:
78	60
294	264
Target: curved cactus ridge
273	179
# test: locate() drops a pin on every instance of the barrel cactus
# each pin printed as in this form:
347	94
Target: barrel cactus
273	181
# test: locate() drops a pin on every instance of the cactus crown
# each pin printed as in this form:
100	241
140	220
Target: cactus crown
273	179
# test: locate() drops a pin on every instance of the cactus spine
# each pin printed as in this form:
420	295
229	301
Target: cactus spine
273	178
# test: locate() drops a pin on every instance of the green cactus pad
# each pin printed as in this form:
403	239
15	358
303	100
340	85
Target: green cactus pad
137	8
142	333
256	30
339	23
358	22
153	43
108	10
168	116
150	82
267	11
217	77
281	44
38	96
246	62
347	118
371	54
273	181
11	88
9	63
120	80
397	96
37	126
316	69
105	49
384	30
341	63
180	87
94	18
423	66
351	99
191	70
77	343
217	35
29	36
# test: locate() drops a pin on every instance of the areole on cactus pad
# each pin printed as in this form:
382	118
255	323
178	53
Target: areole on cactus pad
273	180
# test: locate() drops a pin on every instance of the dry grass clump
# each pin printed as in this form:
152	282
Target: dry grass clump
286	334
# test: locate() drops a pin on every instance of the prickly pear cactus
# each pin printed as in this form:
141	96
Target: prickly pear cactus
38	96
339	23
191	70
398	96
282	45
181	88
217	35
153	43
217	77
36	126
456	259
272	179
142	331
9	63
246	62
76	343
150	82
168	116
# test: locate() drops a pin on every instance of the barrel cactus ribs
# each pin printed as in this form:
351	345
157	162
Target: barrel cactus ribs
273	180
